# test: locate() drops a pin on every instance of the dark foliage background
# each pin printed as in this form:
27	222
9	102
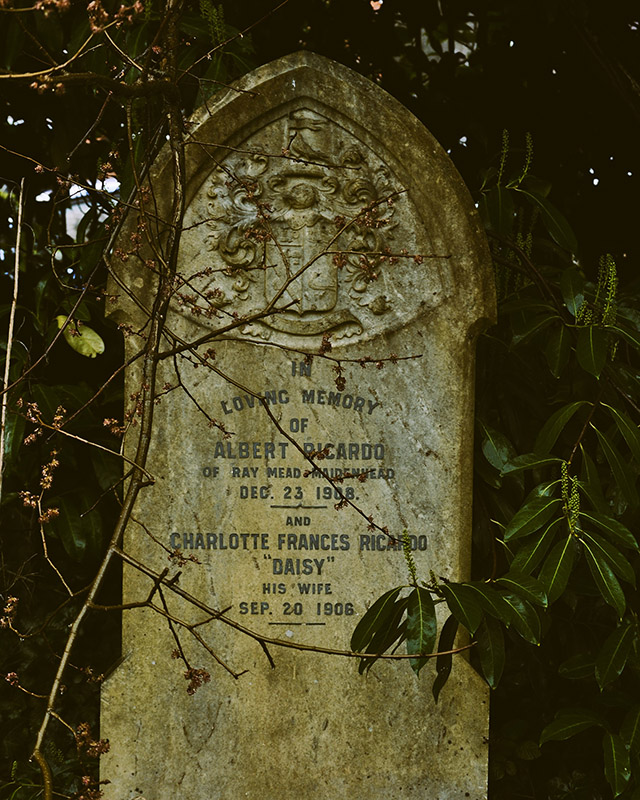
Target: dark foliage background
565	73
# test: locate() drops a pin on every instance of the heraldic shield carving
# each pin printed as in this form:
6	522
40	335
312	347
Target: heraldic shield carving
303	219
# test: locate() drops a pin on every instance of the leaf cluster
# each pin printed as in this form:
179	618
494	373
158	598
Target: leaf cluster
556	497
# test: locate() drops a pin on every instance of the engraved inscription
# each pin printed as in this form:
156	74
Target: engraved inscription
304	555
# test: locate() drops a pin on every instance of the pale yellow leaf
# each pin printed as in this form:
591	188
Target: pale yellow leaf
81	337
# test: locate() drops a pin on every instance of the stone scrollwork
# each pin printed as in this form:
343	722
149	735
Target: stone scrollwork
302	219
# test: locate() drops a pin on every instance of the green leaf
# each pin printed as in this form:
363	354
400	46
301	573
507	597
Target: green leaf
491	601
81	313
614	653
14	436
374	619
81	337
444	662
531	327
525	619
532	552
498	210
531	517
556	569
617	767
527	750
463	604
422	629
529	461
577	667
567	724
387	635
497	449
618	563
628	429
631	336
606	581
630	730
625	477
558	350
592	347
555	222
525	586
554	426
613	529
490	648
108	468
572	288
80	535
593	487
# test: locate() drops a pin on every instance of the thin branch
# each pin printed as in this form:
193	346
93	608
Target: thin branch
239	35
149	377
61	430
12	316
55	68
45	549
220	616
122	53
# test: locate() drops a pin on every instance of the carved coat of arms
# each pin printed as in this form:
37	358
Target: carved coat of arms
300	223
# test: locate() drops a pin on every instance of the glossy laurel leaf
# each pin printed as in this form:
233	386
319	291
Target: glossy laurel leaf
630	336
624	477
531	326
463	604
605	580
531	517
528	461
630	730
445	660
391	632
628	429
613	529
525	586
618	563
497	449
577	667
617	767
532	552
556	569
490	644
613	656
591	349
558	349
374	619
572	287
491	601
524	617
569	723
422	628
554	221
554	426
497	210
591	484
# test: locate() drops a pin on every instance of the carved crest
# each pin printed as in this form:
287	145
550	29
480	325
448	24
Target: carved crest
301	220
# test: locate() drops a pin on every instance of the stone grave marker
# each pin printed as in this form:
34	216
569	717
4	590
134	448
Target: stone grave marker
307	185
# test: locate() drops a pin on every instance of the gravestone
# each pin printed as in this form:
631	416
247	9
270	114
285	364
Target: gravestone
322	219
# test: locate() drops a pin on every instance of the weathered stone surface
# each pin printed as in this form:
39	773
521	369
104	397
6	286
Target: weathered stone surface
304	141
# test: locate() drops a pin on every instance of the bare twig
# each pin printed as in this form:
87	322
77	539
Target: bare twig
12	316
221	617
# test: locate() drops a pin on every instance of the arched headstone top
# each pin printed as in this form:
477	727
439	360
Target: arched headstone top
304	168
